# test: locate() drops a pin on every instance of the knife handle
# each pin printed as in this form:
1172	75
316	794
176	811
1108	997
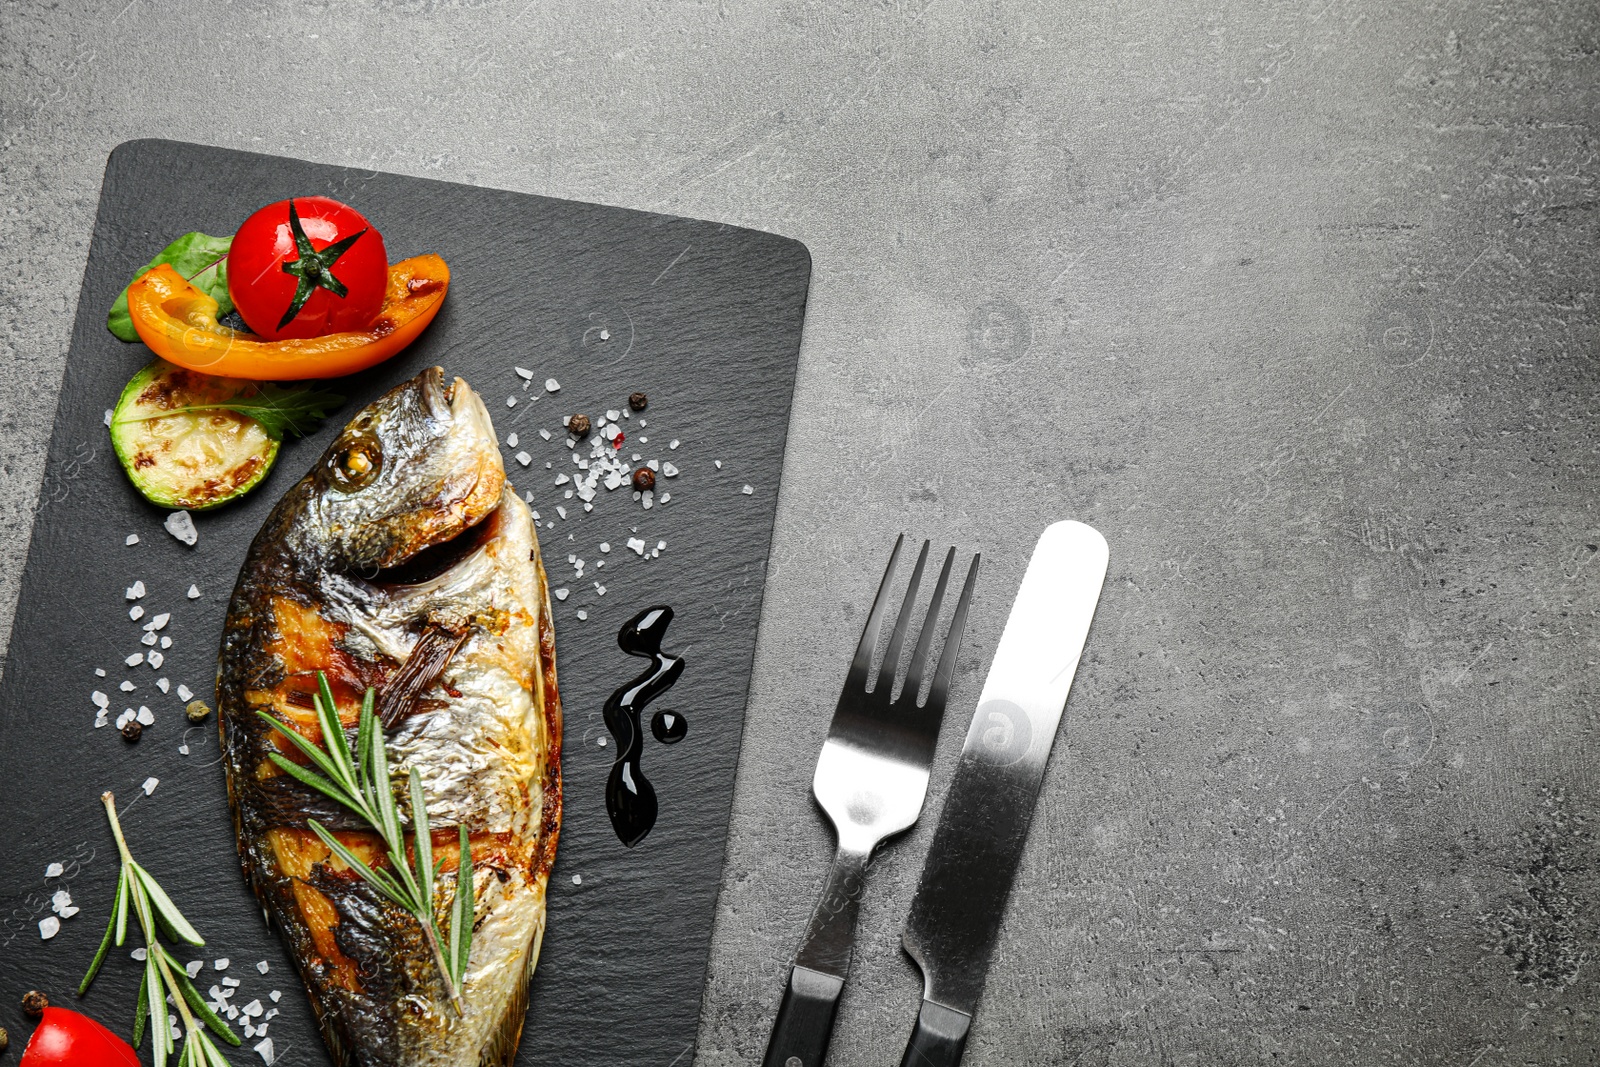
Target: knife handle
939	1039
805	1020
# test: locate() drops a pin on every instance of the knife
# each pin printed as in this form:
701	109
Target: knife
955	915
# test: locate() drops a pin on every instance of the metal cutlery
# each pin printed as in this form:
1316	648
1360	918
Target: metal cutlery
955	914
871	779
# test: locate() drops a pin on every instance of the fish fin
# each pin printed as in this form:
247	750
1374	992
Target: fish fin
501	1048
428	659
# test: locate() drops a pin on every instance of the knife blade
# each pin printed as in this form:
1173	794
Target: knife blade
955	914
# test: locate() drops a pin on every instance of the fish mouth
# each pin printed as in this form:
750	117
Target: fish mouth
437	560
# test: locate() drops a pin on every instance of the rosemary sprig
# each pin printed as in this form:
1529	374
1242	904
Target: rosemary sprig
359	779
140	893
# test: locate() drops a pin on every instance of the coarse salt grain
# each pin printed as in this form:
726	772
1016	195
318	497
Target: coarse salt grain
139	954
637	544
181	525
747	490
599	590
163	685
99	672
252	1009
108	417
605	546
135	659
674	443
262	967
194	592
511	401
274	996
185	693
132	539
55	870
561	511
135	591
149	638
523	372
60	899
127	687
166	642
552	386
150	784
49	926
155	659
545	434
718	462
524	459
99	699
264	1050
561	594
145	716
183	750
511	440
192	968
136	613
582	615
159	622
222	965
663	498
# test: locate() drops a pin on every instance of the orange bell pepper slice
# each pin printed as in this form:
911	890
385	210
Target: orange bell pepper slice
179	323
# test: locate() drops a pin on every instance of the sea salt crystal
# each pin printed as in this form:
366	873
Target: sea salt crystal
136	613
583	615
135	591
535	516
183	750
60	899
637	544
139	954
674	443
511	401
108	417
194	592
155	659
150	784
599	590
135	659
252	1009
148	639
605	546
274	996
249	1031
146	716
642	424
661	546
264	1049
185	693
55	870
193	967
654	465
222	965
163	685
523	372
718	462
644	440
231	1012
545	434
132	539
562	479
180	525
561	594
49	926
663	498
552	386
511	440
100	719
561	511
747	490
99	699
524	459
127	716
127	687
99	672
649	500
669	470
159	622
166	642
262	967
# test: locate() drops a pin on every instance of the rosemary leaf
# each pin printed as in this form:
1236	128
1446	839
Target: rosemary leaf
156	1008
314	780
111	929
166	909
382	881
424	839
315	754
123	905
461	922
141	1010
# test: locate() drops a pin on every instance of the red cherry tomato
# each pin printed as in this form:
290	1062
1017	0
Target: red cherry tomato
306	267
66	1039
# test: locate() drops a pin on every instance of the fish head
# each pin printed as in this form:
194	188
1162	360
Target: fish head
415	469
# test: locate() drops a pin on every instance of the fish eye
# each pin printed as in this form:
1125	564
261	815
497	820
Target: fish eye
356	464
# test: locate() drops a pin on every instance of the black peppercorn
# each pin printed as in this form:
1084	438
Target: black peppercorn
34	1003
644	479
131	730
638	401
578	426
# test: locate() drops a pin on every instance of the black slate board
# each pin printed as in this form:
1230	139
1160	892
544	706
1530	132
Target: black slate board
705	318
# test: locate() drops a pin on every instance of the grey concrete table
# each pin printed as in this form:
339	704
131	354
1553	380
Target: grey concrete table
1295	302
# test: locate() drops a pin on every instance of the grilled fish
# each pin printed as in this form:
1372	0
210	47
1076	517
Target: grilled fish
403	562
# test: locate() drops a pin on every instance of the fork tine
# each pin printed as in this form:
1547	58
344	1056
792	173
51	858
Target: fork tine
902	623
919	658
952	643
862	663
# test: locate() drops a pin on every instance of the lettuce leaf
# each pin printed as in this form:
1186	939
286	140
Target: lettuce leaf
200	258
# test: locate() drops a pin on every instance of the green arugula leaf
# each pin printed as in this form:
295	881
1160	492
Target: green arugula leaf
279	411
200	258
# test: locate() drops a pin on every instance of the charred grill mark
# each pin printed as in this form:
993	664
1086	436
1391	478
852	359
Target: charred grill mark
428	659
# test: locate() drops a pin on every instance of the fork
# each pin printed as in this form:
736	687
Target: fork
871	780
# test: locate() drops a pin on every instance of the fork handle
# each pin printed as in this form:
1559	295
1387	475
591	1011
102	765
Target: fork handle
805	1019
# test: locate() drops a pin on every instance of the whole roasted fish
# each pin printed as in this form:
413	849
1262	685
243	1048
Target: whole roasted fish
403	562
